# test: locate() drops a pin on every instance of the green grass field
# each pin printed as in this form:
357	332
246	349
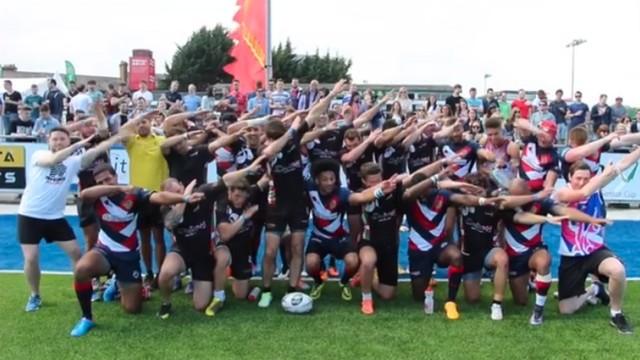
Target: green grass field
335	330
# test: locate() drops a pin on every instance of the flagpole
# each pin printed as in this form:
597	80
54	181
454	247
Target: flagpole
268	64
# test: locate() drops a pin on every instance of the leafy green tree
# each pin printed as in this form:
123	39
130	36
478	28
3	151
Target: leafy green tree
201	59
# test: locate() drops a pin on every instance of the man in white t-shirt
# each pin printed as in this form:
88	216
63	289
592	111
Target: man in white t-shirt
82	101
41	211
143	93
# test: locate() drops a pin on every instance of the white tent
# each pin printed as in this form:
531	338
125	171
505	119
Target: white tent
23	85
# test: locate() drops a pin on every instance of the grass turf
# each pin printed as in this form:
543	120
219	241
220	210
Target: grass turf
335	329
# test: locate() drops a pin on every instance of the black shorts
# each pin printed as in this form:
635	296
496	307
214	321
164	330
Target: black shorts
296	216
126	265
32	230
519	264
574	270
387	263
240	251
150	217
421	263
201	264
86	213
336	247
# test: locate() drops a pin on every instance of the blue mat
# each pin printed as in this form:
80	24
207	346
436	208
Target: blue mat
620	238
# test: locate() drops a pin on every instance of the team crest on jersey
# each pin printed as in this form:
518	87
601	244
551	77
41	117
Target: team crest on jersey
127	204
333	203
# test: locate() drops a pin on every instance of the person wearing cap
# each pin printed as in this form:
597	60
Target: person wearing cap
539	159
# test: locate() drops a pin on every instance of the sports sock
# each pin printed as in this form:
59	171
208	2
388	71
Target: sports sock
266	289
615	312
220	295
367	296
543	282
455	277
497	302
346	276
315	275
84	291
291	289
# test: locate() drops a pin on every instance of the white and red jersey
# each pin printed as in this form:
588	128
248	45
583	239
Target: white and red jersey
427	219
593	161
328	212
520	238
582	239
536	162
118	218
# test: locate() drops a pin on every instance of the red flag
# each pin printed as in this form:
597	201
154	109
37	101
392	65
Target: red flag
250	50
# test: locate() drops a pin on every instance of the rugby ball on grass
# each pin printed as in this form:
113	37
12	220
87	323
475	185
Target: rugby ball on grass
297	303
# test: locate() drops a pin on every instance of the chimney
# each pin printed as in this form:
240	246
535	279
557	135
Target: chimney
123	71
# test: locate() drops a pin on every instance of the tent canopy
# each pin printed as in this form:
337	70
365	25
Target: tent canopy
23	85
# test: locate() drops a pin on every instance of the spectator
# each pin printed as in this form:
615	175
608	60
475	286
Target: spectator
474	102
141	107
279	99
629	126
96	95
559	110
601	113
117	96
73	90
463	112
55	98
540	95
618	111
81	102
260	103
144	92
173	96
295	93
23	125
120	118
504	106
208	100
355	103
34	100
310	96
11	99
406	104
489	99
45	123
241	99
396	113
475	130
542	114
271	87
191	100
577	111
522	104
454	99
431	107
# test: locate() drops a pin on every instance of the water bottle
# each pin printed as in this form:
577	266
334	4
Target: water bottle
428	301
254	294
271	197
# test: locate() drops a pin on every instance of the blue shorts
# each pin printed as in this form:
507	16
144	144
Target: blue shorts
126	265
519	264
474	264
421	263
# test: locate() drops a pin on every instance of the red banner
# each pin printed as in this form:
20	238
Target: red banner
250	50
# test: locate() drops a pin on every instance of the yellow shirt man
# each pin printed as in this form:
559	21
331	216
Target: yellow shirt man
147	166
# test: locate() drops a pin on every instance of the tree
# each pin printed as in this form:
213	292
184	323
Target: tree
201	59
326	69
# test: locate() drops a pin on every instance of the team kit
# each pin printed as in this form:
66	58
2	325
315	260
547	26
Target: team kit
470	207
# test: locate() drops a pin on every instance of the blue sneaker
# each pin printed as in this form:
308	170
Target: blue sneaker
111	291
33	304
83	327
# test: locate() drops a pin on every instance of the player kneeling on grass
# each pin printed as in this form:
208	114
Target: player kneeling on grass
236	233
191	228
428	206
582	246
117	208
329	203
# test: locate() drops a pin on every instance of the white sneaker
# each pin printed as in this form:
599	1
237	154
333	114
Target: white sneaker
496	312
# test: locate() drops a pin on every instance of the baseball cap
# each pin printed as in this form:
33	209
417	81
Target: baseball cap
549	127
